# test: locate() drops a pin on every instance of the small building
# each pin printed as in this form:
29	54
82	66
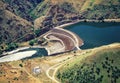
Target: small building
36	70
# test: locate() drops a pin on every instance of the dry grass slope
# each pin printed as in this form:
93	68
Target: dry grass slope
99	65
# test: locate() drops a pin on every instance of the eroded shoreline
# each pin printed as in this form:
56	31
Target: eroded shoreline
87	20
60	28
62	40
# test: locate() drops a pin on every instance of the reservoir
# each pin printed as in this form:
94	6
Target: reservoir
93	35
96	34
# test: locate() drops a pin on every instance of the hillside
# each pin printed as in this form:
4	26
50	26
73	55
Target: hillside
100	66
55	12
66	11
12	27
22	8
51	13
19	19
72	65
22	22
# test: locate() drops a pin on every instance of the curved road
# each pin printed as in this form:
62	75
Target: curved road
55	67
55	70
76	41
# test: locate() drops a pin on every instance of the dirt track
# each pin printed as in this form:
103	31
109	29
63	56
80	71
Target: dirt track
67	39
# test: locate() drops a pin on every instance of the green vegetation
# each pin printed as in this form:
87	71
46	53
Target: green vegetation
12	27
11	46
22	8
68	7
32	42
0	51
40	10
16	18
102	11
20	65
103	67
15	78
37	32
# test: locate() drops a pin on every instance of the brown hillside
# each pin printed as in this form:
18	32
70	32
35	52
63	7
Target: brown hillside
12	27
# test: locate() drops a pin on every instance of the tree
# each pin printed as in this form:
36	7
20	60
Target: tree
31	43
20	65
0	51
11	46
1	19
37	32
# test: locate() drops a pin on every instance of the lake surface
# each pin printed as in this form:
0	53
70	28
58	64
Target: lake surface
96	34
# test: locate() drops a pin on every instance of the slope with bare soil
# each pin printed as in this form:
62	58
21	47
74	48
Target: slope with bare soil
12	27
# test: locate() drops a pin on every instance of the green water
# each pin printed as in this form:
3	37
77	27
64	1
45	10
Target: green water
96	34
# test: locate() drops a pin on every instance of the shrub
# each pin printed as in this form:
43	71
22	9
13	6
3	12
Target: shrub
37	32
20	65
15	78
11	46
1	19
0	51
31	43
68	7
